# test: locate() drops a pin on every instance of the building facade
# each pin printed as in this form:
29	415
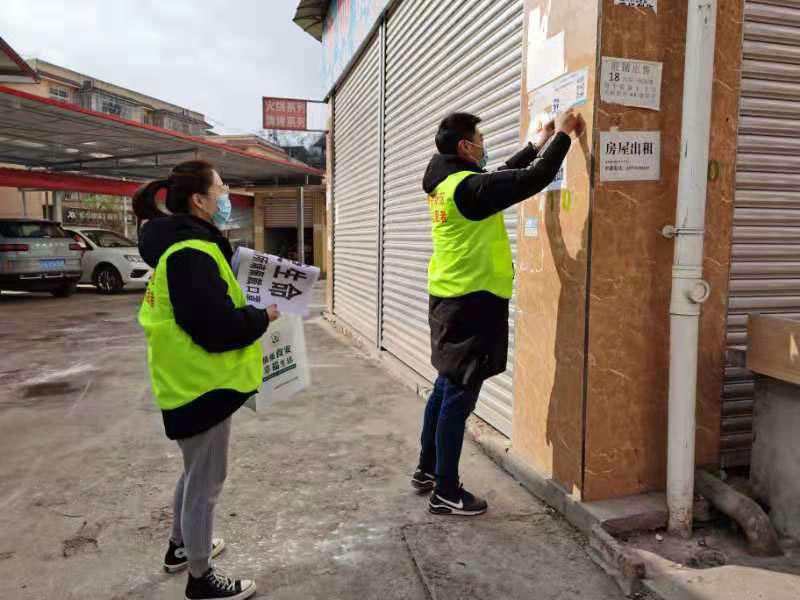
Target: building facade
584	400
65	85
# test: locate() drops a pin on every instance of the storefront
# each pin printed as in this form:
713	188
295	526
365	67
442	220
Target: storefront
584	401
277	209
385	114
765	261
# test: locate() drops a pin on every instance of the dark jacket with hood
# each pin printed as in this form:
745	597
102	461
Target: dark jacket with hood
203	309
469	334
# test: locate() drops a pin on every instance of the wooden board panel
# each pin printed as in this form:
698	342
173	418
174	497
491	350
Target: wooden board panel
774	347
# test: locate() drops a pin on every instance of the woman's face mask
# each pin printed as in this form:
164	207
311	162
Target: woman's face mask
223	213
216	204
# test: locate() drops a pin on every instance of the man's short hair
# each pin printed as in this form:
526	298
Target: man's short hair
454	128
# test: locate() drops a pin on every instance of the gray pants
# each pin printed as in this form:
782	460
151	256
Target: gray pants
205	466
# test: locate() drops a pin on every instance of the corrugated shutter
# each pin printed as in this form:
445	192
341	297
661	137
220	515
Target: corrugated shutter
356	164
441	57
282	212
765	272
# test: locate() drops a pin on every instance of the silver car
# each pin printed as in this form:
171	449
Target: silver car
38	256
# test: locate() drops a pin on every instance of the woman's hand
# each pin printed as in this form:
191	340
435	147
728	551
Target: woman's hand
273	313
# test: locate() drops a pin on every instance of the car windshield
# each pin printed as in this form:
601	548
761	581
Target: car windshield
108	239
23	229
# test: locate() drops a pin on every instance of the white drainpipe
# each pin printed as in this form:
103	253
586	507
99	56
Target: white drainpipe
689	290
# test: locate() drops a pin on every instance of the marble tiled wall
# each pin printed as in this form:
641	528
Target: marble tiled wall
591	386
628	339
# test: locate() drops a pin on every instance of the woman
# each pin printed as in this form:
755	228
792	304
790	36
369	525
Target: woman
204	356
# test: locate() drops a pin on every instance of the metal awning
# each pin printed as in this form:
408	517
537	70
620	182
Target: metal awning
13	69
43	133
310	16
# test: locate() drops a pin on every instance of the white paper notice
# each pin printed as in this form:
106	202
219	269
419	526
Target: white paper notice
532	227
545	54
630	156
631	82
639	4
568	91
268	280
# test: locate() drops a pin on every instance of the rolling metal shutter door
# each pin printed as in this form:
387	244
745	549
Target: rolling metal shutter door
441	57
282	212
765	270
356	163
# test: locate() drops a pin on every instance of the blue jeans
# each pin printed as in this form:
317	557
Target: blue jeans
446	415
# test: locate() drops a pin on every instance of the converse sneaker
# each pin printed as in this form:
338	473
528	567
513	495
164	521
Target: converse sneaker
465	504
423	481
176	559
214	585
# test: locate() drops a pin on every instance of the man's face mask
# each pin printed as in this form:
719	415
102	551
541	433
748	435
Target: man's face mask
484	160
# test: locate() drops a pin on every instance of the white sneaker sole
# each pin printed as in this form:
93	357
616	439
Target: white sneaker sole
180	567
454	512
243	595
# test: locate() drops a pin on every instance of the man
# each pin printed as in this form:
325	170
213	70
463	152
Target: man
470	282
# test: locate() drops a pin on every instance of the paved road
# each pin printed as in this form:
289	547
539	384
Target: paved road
317	503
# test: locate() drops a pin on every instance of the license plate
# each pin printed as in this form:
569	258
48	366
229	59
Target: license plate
52	264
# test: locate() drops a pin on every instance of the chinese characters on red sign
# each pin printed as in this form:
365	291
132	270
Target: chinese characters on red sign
283	113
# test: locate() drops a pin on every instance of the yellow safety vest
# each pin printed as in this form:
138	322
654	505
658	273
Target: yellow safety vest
180	370
468	256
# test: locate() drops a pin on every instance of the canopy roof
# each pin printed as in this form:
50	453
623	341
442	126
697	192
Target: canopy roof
310	16
13	69
43	133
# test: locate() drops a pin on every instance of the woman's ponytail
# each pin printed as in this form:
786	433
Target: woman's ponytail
185	179
144	200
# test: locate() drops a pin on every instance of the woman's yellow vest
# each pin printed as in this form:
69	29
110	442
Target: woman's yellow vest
180	370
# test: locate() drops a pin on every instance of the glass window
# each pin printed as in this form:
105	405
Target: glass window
111	107
58	92
108	239
79	238
28	229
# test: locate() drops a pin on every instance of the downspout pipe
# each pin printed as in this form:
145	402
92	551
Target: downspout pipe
689	290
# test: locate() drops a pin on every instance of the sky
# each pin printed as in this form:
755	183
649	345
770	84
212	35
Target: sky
215	56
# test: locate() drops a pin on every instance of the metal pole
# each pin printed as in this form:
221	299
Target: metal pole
58	203
301	244
689	290
24	204
125	216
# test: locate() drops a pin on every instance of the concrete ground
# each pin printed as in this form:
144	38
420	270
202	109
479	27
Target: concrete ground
317	503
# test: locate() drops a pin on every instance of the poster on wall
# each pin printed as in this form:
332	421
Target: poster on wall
347	25
653	4
565	92
630	156
545	57
629	82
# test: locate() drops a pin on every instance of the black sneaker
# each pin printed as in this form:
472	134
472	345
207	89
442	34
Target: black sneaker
176	559
466	505
215	585
423	481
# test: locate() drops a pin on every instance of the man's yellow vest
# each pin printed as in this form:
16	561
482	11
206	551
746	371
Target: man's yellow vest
180	370
468	256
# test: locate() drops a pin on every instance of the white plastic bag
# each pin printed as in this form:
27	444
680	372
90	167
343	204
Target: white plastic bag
286	368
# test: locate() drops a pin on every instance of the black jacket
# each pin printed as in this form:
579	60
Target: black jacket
469	334
203	309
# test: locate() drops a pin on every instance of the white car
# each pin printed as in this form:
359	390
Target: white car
110	261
